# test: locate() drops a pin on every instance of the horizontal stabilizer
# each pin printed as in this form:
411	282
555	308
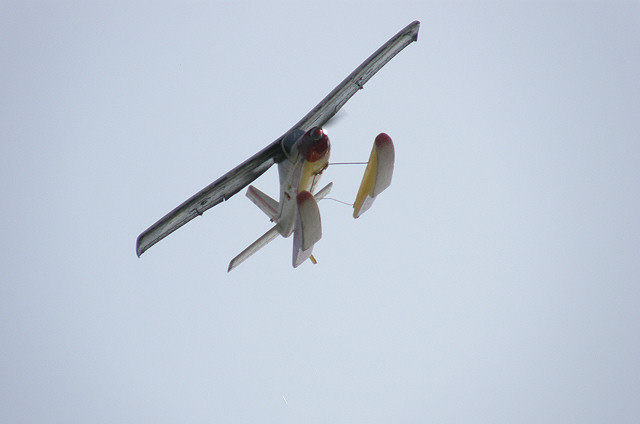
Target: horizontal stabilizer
322	193
254	247
377	175
267	204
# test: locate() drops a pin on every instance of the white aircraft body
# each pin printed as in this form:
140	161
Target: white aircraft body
302	154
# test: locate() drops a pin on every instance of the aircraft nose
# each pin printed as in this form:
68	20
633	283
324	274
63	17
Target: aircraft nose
317	133
316	145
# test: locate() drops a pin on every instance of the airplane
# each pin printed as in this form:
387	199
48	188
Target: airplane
302	154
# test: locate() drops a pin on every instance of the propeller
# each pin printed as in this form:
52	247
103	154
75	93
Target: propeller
335	119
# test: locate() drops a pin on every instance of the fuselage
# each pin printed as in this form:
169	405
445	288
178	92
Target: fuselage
306	158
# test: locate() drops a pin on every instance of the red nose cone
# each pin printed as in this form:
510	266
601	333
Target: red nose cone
315	145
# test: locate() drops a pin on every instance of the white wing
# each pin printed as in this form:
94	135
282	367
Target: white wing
242	175
331	104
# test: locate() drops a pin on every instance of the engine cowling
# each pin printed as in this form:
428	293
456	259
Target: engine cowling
314	145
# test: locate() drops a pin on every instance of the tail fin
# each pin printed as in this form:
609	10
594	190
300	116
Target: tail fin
308	229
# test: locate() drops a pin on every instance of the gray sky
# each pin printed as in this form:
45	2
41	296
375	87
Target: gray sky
495	281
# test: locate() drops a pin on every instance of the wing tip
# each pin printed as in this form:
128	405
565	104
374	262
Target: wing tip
415	27
140	248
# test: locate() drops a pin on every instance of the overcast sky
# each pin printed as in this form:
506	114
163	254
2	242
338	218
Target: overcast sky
496	281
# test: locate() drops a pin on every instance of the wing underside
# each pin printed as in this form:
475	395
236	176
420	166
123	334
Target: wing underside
221	189
242	175
331	104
